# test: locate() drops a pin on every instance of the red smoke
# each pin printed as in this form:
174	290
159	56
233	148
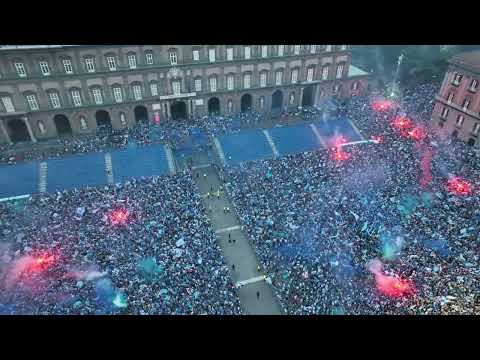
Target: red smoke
458	186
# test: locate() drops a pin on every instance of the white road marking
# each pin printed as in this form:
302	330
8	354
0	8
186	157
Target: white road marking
218	146
200	166
318	136
271	143
231	228
42	185
171	165
109	167
250	281
15	198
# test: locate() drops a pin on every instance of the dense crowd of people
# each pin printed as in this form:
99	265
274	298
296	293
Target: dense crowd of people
144	247
317	221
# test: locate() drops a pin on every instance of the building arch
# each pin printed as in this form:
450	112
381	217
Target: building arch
214	106
178	110
141	114
18	131
62	125
103	120
308	96
277	101
246	103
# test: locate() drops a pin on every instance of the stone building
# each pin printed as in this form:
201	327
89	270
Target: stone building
457	106
52	90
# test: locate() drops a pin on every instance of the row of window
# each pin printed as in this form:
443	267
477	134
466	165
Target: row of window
137	92
460	120
76	97
112	62
465	104
457	79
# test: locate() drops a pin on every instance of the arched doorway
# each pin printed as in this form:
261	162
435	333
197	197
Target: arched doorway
178	110
103	120
277	100
308	94
17	130
246	103
214	106
141	114
62	124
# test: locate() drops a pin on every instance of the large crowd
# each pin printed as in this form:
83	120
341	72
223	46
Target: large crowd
317	223
144	247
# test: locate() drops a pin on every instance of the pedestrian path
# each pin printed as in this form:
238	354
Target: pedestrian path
236	248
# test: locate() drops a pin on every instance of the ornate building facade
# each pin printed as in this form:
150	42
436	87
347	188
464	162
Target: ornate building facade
457	106
48	91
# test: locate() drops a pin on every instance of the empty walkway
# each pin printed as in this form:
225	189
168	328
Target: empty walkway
237	251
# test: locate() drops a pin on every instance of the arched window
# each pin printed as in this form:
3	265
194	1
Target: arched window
117	93
325	71
198	84
97	95
41	127
137	91
262	102
7	103
230	81
67	65
54	98
230	105
213	83
89	63
294	75
340	67
44	67
211	54
278	77
153	88
247	80
76	97
172	55
355	85
176	86
149	57
132	60
111	60
32	101
263	78
310	73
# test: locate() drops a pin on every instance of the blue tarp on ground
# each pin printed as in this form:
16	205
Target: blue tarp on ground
142	161
245	146
76	171
294	139
20	179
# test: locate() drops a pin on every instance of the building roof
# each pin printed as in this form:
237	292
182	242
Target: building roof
355	71
29	47
469	60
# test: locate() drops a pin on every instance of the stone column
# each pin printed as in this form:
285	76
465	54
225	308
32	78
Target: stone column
317	91
168	110
300	99
29	128
187	105
192	107
5	132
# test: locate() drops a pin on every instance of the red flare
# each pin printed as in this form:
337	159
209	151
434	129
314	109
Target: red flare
417	133
119	217
402	123
339	155
392	286
458	186
383	105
